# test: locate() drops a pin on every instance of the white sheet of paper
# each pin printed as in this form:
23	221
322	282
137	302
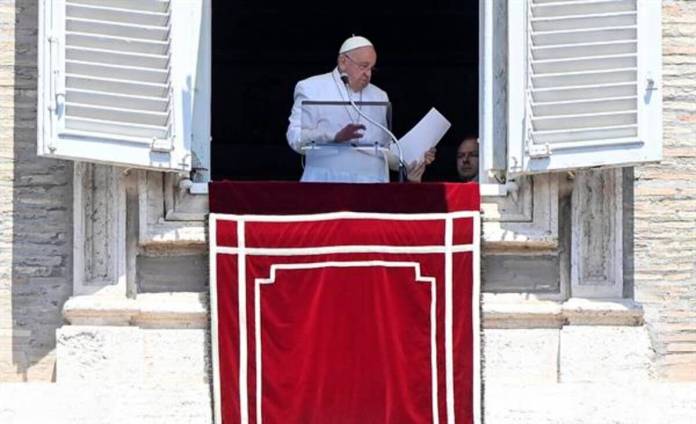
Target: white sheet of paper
423	136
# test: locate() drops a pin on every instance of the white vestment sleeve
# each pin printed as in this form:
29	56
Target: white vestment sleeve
298	136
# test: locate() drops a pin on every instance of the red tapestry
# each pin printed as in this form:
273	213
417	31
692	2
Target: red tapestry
345	317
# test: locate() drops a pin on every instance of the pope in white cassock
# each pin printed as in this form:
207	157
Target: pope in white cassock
342	123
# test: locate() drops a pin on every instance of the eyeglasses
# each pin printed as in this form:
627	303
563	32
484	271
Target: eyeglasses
465	155
365	67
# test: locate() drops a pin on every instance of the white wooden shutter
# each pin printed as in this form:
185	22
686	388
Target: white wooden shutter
584	84
117	81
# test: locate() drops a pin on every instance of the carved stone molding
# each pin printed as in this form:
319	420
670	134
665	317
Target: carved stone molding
99	230
526	220
597	237
169	216
179	204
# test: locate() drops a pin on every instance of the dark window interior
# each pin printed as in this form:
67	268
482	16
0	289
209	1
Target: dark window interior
427	56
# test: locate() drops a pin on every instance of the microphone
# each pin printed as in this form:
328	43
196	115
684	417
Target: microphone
394	140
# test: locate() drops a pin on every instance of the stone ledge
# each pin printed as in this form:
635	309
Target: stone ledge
603	312
190	310
152	310
514	312
99	310
176	233
526	314
164	310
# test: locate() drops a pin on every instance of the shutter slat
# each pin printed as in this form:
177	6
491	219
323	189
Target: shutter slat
584	50
79	110
588	106
116	58
584	22
601	133
584	64
122	44
569	122
89	26
128	73
108	85
584	92
570	8
125	16
151	104
145	5
590	78
147	132
581	36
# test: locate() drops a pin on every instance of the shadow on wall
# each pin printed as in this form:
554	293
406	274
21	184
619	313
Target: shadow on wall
41	270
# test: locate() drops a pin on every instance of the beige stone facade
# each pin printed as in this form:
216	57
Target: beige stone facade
35	212
665	207
36	280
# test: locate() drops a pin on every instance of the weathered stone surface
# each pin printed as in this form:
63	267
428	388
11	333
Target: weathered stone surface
604	354
158	273
521	273
83	403
665	207
35	211
109	355
131	356
583	403
521	356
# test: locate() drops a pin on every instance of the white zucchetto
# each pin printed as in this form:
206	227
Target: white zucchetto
353	43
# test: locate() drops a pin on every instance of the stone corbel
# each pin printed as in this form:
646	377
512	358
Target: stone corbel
525	221
170	216
180	204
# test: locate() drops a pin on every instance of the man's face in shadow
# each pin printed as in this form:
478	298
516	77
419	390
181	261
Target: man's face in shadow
467	160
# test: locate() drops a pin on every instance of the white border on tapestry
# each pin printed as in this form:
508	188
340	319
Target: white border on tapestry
348	264
448	250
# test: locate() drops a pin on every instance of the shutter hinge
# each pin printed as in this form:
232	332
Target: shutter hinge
162	145
536	151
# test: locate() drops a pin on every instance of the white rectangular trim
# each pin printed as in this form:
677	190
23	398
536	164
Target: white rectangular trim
448	250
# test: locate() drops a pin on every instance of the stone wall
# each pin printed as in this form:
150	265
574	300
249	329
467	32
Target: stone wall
35	211
36	216
665	207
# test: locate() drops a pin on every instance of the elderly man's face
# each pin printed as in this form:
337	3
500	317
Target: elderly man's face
467	160
358	64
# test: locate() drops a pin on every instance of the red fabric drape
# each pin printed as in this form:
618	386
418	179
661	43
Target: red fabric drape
344	336
284	198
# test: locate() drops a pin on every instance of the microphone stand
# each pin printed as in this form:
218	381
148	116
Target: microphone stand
394	140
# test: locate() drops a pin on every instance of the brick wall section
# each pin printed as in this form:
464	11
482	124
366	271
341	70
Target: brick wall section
35	211
665	207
